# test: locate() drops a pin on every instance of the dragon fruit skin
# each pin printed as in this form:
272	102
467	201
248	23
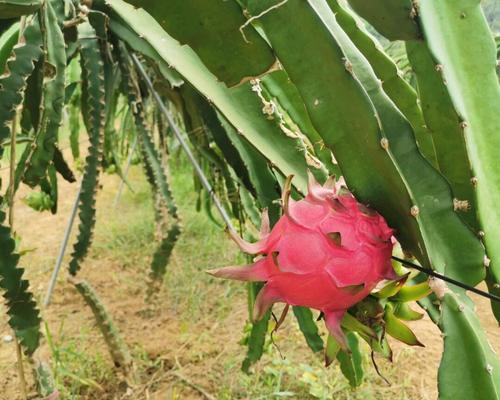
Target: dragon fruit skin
327	252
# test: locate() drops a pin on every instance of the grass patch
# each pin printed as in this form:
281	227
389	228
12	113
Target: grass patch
77	370
302	375
125	233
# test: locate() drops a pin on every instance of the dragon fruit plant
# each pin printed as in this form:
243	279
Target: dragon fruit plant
327	252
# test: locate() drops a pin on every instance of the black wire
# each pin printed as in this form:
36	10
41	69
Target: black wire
435	274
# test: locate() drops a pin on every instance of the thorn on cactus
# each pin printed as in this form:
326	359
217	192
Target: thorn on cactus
327	252
348	66
486	261
461	205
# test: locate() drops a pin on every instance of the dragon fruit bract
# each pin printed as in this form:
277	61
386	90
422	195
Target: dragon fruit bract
327	252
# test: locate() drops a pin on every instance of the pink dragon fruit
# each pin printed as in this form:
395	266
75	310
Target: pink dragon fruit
327	252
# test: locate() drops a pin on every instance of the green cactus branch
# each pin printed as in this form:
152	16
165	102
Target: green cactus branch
195	23
460	40
480	377
24	318
17	8
400	92
93	109
395	19
116	346
42	151
445	125
20	66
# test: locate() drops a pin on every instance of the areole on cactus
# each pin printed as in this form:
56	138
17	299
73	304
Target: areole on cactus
327	252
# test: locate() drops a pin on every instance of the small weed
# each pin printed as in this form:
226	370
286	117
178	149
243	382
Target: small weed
77	371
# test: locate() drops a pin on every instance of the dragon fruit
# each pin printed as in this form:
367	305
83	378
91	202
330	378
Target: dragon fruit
327	252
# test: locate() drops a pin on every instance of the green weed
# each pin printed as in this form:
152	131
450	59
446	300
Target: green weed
77	371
